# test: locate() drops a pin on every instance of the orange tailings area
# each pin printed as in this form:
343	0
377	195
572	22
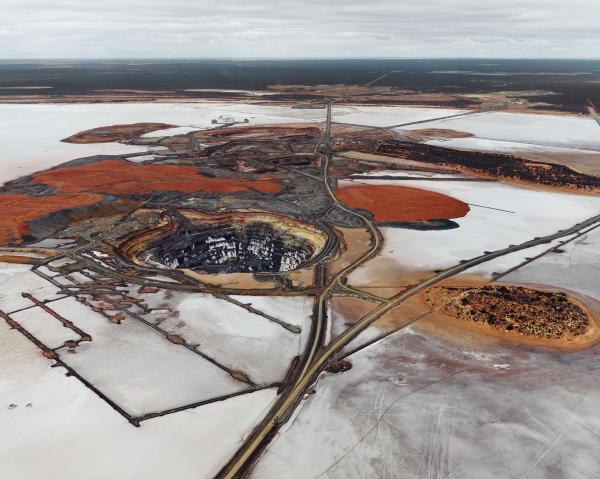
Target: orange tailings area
18	210
121	177
85	185
401	203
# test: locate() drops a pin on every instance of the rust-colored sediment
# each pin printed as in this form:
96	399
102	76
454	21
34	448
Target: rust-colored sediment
19	210
106	134
122	177
85	185
16	259
401	203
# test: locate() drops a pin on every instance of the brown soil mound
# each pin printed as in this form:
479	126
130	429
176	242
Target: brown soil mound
106	134
14	259
18	210
126	178
401	203
524	311
427	133
249	131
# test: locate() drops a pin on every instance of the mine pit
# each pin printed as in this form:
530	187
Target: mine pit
238	243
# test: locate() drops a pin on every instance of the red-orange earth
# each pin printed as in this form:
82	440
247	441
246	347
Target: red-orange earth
18	210
390	203
121	177
85	185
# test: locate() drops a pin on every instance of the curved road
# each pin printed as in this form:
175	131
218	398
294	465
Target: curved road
314	362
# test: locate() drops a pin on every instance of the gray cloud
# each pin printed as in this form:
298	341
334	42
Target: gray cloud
303	28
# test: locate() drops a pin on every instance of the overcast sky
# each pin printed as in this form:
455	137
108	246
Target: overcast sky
300	28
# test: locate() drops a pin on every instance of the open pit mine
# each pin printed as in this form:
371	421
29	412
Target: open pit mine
252	287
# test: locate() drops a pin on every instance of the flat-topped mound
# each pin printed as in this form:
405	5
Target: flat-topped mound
261	130
428	133
107	134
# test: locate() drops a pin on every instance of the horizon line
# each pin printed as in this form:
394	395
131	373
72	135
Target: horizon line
266	58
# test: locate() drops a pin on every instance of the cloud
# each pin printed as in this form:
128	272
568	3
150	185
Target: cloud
302	28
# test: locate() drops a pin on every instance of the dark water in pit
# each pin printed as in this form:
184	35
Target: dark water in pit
257	247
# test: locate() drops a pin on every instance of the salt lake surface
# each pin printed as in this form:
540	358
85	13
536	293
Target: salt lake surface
517	131
31	133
